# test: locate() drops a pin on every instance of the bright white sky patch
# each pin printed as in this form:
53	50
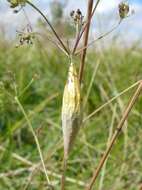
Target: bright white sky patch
107	15
106	6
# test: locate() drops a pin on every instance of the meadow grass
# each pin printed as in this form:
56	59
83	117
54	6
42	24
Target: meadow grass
38	74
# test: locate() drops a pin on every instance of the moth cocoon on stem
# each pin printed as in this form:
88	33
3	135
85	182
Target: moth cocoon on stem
71	109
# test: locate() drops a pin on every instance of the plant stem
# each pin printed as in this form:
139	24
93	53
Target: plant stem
86	25
35	137
99	38
36	165
52	28
95	69
86	35
63	179
108	141
110	100
116	134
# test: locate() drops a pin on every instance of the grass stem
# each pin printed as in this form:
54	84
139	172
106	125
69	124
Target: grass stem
111	100
116	134
52	28
35	137
63	179
86	35
86	25
99	38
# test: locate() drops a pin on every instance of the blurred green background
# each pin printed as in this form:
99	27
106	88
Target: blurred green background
37	73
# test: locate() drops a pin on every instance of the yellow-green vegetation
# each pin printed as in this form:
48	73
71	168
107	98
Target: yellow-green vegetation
37	75
47	78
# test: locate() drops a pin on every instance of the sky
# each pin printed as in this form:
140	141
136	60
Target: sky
106	17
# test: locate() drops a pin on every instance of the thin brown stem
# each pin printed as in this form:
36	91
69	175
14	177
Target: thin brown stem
99	38
86	35
86	25
52	28
63	179
116	134
110	100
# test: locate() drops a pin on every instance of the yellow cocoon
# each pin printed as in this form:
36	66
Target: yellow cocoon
71	112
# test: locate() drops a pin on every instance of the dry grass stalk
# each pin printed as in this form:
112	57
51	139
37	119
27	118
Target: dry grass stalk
115	136
50	25
86	35
86	25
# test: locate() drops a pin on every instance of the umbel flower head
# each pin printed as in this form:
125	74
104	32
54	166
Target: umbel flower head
77	16
123	10
26	36
16	3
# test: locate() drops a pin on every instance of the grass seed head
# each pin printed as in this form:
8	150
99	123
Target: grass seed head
123	10
77	17
17	3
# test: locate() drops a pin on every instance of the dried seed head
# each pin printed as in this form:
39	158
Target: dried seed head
79	12
71	112
123	10
26	36
77	16
72	13
15	3
36	76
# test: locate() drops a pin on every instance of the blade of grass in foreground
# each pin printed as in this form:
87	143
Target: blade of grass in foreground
37	109
35	138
